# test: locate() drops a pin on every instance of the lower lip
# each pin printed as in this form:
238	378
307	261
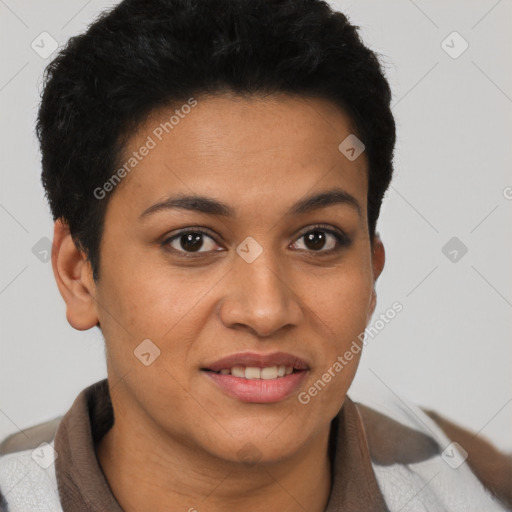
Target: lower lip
258	390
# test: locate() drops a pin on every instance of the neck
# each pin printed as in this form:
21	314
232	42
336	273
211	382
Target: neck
170	471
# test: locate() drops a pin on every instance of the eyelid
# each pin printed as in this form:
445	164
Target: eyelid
324	227
341	238
168	239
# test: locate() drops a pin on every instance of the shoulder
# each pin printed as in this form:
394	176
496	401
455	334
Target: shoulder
492	467
27	469
30	437
417	451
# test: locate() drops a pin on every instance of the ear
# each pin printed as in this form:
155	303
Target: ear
73	274
378	260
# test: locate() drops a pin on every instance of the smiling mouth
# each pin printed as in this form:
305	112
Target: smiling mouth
255	372
256	384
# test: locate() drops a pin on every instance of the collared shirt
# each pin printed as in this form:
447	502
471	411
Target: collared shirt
83	486
360	437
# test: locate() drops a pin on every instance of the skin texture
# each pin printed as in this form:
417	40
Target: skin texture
176	434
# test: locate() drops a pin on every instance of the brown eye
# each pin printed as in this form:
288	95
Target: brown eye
315	240
322	240
190	241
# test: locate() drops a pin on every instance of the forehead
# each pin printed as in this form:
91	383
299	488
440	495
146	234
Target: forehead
241	147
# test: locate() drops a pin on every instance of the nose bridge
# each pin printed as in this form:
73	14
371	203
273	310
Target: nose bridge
260	298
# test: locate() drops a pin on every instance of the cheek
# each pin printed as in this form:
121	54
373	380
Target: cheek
343	315
341	311
142	298
342	302
152	302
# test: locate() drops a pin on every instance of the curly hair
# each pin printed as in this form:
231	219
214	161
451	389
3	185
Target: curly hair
145	54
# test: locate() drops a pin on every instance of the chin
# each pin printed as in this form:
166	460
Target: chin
259	447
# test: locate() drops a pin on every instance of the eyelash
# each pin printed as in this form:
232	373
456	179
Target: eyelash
342	241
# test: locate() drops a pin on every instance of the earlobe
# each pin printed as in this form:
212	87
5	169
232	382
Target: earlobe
73	275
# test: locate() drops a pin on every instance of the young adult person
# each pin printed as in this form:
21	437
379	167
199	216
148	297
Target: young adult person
215	170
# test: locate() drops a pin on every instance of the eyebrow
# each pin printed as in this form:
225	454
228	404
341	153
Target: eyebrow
210	206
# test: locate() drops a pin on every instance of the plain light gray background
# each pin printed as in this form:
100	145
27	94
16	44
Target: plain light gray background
449	349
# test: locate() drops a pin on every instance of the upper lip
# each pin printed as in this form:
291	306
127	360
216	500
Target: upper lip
258	360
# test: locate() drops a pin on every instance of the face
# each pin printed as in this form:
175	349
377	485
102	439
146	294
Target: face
266	280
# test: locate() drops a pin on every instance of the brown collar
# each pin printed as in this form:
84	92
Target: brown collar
84	488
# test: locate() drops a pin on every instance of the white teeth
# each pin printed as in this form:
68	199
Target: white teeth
238	371
269	373
253	372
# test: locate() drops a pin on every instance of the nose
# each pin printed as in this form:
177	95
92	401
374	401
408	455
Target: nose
261	299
